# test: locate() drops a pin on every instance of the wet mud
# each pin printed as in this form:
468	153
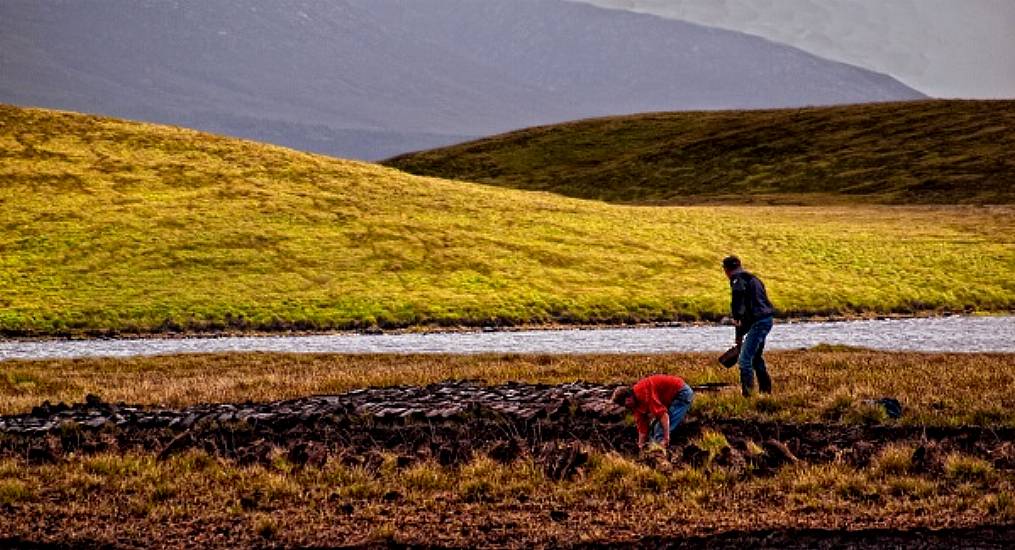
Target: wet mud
984	538
978	538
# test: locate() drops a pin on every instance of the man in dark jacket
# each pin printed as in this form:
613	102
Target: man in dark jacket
752	316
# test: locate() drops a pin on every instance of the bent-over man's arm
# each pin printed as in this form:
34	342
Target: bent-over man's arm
664	421
641	421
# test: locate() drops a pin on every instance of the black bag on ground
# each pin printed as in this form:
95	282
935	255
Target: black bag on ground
892	406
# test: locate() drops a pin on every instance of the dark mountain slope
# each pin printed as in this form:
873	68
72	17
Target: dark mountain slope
372	78
925	152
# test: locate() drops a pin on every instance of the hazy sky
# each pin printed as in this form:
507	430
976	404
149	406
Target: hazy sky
944	48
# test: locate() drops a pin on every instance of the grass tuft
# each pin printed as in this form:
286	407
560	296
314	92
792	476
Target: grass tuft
425	477
894	460
14	491
1001	506
484	479
713	442
266	528
962	467
616	477
867	413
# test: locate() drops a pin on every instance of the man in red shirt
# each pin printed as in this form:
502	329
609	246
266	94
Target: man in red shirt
660	400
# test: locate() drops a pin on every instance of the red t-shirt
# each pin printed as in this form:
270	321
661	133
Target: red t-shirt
653	397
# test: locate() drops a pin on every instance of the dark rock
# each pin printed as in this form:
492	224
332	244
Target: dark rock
41	455
738	443
558	410
929	457
730	458
562	461
96	422
91	446
308	454
71	435
189	421
919	458
446	455
258	452
694	455
860	453
413	415
251	501
297	432
777	454
558	515
211	446
179	443
42	411
505	451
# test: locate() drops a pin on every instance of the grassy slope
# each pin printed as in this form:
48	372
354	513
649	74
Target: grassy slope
124	226
928	152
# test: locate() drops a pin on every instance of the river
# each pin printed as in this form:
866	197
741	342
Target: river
937	334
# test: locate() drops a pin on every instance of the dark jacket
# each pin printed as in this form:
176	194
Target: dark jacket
750	301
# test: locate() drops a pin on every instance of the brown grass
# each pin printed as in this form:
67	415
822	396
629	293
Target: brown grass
198	499
940	389
195	499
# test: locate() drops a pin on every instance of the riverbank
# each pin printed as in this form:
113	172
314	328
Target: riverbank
107	334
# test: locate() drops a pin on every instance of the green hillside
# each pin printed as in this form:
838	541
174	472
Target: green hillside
926	152
118	226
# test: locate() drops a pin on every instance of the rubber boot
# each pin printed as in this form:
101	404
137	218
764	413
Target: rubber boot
764	382
746	381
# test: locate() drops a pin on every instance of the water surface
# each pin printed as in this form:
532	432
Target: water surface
955	334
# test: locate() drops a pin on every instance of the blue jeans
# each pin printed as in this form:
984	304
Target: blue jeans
678	410
752	360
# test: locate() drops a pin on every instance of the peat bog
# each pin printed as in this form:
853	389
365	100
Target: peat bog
506	450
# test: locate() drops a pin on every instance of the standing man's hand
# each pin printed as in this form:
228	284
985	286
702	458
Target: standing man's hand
641	441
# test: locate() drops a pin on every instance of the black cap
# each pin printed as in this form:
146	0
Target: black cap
730	263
